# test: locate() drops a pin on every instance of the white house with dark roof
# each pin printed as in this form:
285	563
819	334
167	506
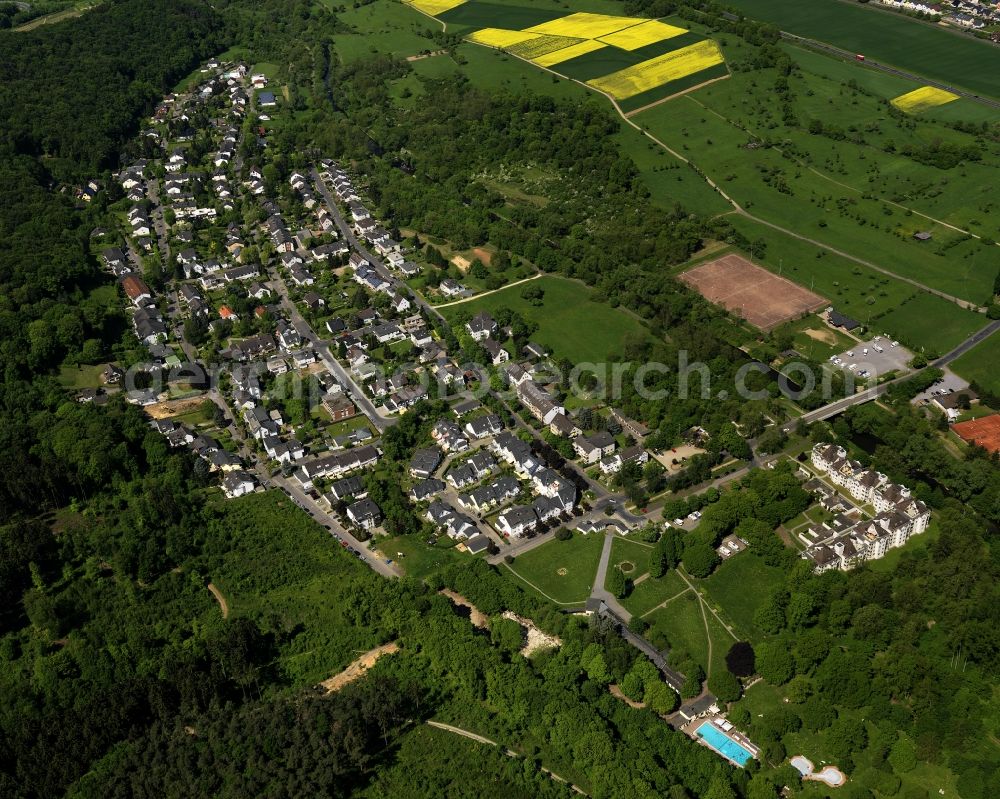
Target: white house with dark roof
481	326
515	522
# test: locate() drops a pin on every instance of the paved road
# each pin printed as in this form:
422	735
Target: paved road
867	395
599	591
968	344
328	520
378	416
377	264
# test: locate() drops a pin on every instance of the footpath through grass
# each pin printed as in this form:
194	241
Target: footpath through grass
562	571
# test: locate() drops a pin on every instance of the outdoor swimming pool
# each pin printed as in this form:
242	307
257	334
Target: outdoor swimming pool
723	744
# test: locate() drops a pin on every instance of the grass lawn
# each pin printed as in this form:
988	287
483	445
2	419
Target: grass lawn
418	559
348	425
928	321
739	586
492	69
682	624
625	551
569	323
383	27
651	592
669	180
563	571
816	340
980	364
84	376
203	414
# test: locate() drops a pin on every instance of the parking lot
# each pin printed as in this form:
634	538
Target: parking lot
948	384
866	362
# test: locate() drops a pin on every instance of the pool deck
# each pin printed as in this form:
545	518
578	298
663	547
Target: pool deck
830	775
691	728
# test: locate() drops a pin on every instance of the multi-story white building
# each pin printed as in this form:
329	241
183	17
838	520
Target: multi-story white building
899	515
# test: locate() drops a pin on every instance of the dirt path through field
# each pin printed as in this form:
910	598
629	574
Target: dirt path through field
223	605
356	668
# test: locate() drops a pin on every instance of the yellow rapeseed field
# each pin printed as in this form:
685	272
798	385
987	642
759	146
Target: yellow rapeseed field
640	35
500	37
923	98
435	7
649	74
584	25
566	53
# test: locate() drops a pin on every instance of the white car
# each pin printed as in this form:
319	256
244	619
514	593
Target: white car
679	522
853	366
894	344
863	373
849	353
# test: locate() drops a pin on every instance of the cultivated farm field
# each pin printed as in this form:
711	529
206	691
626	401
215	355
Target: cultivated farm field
891	38
635	61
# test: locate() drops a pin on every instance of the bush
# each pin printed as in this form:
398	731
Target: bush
563	534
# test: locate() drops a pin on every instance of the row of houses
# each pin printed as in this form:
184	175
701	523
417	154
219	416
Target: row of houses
899	515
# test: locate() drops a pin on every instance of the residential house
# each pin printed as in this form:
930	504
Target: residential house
515	522
365	514
481	326
483	426
497	353
238	483
136	290
339	407
424	462
614	463
425	489
336	465
348	487
591	449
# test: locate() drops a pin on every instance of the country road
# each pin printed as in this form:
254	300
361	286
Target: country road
833	408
